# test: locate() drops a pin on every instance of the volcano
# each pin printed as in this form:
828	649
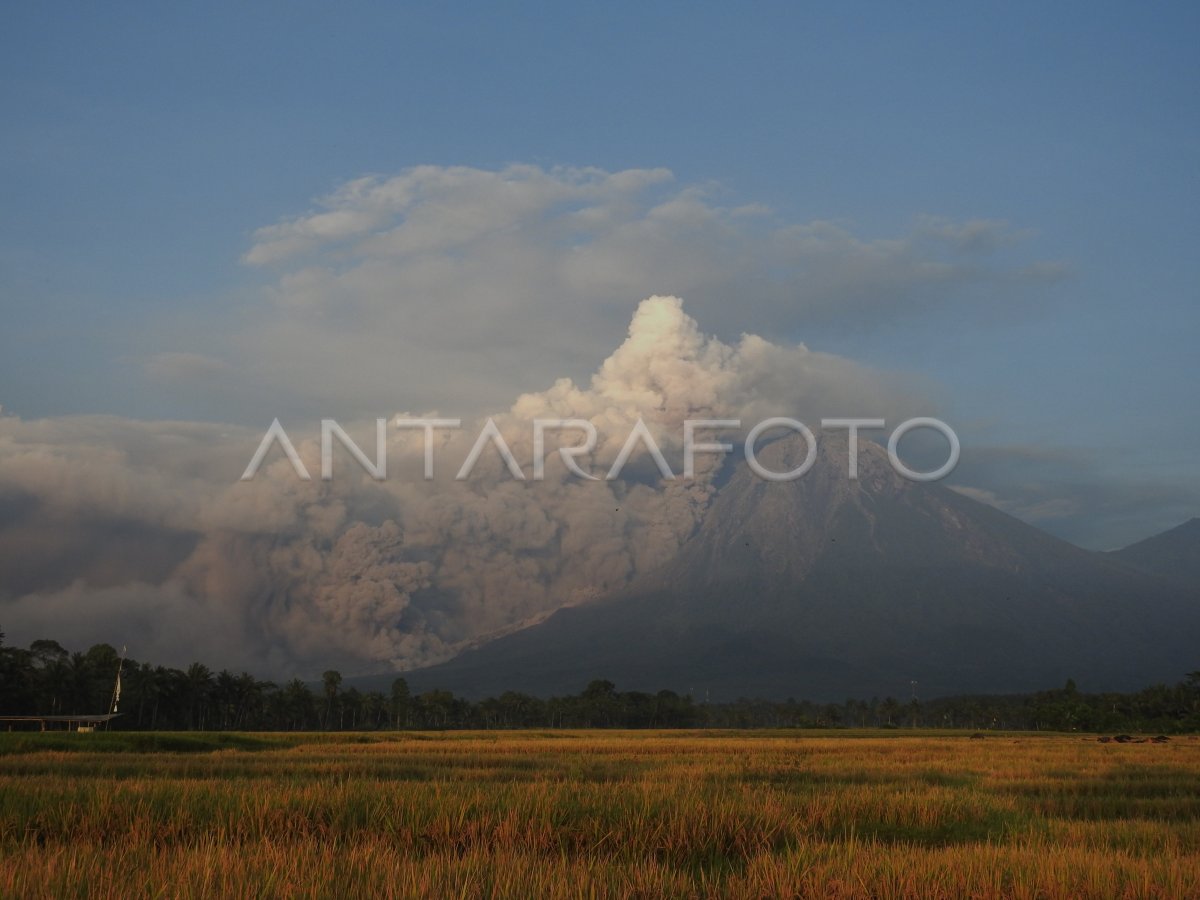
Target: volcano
828	587
1174	554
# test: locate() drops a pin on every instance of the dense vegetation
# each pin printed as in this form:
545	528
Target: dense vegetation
598	813
47	679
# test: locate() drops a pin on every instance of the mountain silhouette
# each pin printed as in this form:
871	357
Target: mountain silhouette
1174	554
827	587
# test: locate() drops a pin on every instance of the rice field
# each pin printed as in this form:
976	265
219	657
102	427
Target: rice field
597	814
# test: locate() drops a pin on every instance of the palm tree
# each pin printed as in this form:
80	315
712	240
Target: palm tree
374	709
52	672
332	680
299	703
225	699
250	695
199	685
889	709
79	684
401	703
351	703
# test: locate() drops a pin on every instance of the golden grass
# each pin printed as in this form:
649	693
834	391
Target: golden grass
599	814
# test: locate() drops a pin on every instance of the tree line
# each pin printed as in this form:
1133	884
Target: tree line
47	679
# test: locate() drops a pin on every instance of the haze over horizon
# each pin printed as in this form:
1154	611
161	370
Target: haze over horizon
217	217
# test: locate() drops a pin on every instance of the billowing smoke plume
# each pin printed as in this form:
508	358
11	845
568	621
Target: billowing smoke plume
141	533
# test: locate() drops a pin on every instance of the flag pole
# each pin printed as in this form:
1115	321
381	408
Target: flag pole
116	694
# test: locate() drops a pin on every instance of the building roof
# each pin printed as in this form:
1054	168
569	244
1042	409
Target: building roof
87	720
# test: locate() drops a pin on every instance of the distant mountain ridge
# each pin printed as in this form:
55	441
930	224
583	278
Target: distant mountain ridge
827	588
1174	554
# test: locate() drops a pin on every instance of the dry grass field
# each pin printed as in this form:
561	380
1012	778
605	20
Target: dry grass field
597	814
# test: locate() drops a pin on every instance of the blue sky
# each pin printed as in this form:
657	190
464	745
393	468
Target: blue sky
145	145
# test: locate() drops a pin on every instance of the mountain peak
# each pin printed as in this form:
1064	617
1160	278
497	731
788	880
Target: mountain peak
1174	553
827	587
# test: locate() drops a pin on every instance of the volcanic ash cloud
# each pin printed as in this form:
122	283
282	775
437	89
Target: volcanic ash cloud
286	576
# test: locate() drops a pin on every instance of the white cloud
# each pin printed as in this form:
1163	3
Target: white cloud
454	286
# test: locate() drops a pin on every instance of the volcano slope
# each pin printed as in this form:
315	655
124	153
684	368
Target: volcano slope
826	588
